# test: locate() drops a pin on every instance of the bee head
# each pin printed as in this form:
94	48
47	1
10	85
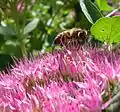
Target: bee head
82	34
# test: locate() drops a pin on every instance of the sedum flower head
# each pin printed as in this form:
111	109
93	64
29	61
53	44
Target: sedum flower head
62	81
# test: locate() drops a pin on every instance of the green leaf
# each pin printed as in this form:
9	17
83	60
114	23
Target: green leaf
31	26
59	2
84	23
36	43
2	41
89	9
14	12
103	5
12	48
5	61
107	29
6	31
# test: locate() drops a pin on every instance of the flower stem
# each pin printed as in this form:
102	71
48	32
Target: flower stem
110	14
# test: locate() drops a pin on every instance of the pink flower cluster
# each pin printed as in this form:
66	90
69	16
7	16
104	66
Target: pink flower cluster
63	81
21	5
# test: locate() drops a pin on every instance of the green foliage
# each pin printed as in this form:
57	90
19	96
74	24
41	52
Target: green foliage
31	26
103	5
5	60
6	31
91	12
107	29
11	47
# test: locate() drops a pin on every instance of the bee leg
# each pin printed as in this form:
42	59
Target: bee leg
76	44
68	35
63	41
68	44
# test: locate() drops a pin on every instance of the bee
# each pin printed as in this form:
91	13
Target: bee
74	36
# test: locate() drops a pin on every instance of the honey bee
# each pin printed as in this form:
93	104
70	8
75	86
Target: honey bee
70	37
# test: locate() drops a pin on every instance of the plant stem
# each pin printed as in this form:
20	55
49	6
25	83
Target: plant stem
23	49
110	14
